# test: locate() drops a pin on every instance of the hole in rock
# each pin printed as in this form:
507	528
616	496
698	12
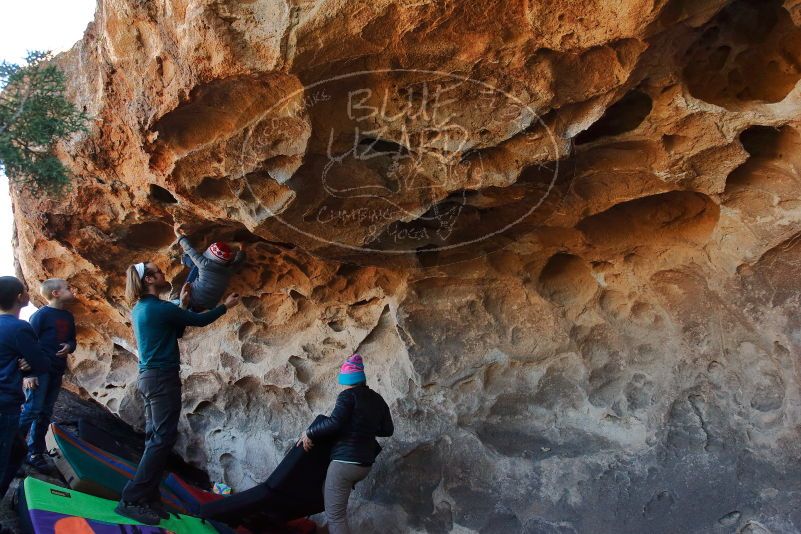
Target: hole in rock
761	141
346	269
770	171
622	116
254	352
251	302
160	194
296	296
123	366
249	384
567	279
655	220
213	188
231	232
675	142
149	235
365	302
750	52
245	236
381	146
53	265
337	326
302	371
205	416
246	330
427	255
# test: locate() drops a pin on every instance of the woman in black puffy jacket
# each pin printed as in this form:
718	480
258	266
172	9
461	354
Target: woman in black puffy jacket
360	414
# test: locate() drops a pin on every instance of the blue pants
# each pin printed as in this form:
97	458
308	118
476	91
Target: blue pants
37	411
192	269
161	390
12	450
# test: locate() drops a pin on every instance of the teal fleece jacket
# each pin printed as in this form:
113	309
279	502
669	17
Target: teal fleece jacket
158	324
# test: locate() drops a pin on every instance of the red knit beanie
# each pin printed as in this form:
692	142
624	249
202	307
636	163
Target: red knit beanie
221	251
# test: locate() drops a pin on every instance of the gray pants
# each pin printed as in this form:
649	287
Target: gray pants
339	482
161	390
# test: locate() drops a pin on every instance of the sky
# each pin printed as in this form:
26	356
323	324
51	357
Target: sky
34	25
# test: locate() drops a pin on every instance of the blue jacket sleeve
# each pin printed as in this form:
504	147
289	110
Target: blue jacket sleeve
180	317
73	341
36	323
28	346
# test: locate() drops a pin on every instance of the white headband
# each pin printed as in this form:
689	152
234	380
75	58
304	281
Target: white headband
140	270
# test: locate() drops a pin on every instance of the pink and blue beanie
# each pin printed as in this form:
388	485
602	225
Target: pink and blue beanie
352	371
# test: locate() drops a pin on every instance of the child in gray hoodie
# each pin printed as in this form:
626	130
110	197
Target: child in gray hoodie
211	271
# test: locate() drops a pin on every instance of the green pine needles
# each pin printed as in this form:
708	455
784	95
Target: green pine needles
34	115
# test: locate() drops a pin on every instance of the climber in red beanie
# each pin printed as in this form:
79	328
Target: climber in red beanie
210	272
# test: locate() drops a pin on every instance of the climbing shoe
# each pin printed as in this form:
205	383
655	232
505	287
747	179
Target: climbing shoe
38	462
158	507
138	512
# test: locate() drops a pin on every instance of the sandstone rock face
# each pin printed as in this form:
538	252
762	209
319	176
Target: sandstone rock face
565	236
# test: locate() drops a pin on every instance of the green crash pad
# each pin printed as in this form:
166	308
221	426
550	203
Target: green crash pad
46	508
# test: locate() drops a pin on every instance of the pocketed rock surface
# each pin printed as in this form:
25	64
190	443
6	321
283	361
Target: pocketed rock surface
565	237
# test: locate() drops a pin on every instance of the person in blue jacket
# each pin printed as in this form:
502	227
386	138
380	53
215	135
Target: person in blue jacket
19	351
54	325
157	325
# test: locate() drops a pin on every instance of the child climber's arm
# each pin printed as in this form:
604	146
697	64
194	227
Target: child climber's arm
197	259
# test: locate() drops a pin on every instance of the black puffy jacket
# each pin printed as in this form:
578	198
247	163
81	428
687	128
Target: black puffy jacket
359	416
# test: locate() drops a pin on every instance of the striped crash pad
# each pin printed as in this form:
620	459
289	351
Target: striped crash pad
48	509
90	469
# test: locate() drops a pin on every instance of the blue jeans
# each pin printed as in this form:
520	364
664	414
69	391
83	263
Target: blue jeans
192	269
12	450
37	411
161	390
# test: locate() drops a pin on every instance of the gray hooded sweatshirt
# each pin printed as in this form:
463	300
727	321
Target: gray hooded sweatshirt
213	276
